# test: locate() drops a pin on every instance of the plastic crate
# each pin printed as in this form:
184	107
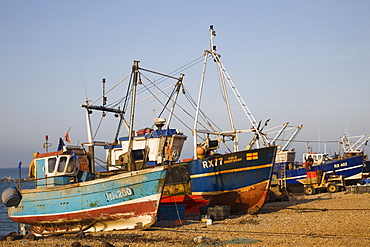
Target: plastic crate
363	189
218	212
172	212
358	189
311	174
351	189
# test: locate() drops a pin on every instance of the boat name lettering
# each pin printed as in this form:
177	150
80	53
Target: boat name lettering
212	163
124	192
232	159
340	165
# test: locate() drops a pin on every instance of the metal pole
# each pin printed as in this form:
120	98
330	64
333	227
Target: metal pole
91	149
178	87
198	104
135	71
20	175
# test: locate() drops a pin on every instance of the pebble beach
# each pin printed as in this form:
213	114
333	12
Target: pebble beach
325	219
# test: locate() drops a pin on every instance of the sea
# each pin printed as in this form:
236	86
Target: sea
6	224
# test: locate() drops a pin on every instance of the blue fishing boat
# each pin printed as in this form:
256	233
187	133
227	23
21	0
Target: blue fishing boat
220	173
71	196
238	179
287	171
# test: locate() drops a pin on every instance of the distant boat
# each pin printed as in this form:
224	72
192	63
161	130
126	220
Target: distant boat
287	171
70	196
238	178
8	179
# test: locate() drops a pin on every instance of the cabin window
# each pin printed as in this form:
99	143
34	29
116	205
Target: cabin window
283	157
51	164
71	165
291	157
62	164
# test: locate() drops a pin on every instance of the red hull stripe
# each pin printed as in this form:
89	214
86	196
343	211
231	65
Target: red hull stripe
114	212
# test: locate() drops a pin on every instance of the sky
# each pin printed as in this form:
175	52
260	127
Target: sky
302	62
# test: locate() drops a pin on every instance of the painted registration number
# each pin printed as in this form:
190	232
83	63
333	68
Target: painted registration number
114	195
340	165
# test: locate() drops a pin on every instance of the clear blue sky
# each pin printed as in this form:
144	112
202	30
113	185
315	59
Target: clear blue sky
306	62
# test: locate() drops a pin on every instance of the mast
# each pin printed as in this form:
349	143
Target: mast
135	71
198	104
238	96
46	144
178	87
91	150
225	94
225	77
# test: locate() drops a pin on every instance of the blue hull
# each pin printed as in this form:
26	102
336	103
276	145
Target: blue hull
350	168
239	179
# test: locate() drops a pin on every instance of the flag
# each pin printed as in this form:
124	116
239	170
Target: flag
252	156
20	164
74	155
66	136
61	144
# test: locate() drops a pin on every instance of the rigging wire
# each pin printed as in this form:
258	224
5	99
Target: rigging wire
97	129
111	89
202	114
150	113
184	67
153	95
83	81
187	66
168	101
192	103
148	89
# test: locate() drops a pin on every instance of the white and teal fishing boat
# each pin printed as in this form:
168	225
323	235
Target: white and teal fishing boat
71	196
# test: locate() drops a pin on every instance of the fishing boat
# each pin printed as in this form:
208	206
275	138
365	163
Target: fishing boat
71	196
239	178
350	165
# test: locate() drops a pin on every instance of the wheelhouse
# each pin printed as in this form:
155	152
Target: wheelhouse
63	167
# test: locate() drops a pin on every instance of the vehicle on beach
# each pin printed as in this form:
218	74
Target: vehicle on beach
350	165
319	180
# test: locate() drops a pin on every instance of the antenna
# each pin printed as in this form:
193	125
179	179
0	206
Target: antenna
83	81
46	144
104	97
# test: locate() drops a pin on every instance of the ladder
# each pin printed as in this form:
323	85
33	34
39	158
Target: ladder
282	180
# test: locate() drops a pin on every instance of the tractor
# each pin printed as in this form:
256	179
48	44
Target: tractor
320	180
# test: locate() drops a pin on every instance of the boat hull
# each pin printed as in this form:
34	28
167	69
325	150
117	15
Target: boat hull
118	202
192	202
177	190
239	179
350	168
